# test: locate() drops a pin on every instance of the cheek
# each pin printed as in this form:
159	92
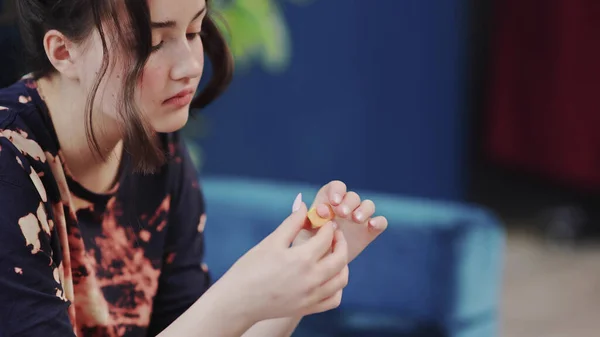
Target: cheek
200	56
152	84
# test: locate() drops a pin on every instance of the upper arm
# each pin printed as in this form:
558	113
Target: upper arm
184	278
31	298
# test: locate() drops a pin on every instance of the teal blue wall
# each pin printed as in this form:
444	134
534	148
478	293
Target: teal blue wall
374	95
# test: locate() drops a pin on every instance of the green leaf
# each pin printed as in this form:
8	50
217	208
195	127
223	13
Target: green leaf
256	31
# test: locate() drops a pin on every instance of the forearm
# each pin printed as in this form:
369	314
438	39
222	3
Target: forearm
214	314
280	327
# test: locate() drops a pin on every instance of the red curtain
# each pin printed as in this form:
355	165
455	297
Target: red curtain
543	112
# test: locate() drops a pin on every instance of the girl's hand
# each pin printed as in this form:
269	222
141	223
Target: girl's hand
275	280
354	217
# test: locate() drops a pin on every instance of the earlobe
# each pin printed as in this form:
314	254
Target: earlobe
59	51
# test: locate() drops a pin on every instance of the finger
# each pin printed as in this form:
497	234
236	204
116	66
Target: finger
364	211
291	226
324	211
378	224
332	193
327	304
332	263
350	202
336	191
334	285
303	236
319	244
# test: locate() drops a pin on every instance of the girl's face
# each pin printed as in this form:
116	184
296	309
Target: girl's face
171	75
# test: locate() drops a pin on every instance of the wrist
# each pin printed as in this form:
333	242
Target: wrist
280	327
215	313
226	299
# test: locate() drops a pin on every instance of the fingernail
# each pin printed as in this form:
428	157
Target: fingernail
358	215
337	198
345	210
372	224
297	203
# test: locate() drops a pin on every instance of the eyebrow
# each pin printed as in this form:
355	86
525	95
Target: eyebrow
173	24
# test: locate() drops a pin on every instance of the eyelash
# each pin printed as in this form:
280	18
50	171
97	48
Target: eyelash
189	36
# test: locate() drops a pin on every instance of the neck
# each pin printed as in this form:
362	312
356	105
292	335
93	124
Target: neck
95	170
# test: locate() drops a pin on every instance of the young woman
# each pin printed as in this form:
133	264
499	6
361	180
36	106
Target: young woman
101	214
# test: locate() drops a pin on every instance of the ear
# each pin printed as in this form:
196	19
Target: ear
61	53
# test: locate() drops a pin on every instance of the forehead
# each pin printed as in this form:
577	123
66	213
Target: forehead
180	11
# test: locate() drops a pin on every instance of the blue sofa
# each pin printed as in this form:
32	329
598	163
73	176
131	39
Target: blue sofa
435	272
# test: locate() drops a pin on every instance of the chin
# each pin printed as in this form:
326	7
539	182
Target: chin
172	121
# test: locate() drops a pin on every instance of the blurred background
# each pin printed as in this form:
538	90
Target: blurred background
471	123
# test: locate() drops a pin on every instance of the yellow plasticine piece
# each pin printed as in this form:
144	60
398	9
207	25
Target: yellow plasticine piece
317	221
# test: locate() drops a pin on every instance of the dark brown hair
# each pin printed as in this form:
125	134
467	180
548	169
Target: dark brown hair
76	19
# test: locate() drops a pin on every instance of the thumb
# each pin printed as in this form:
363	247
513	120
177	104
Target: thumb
293	224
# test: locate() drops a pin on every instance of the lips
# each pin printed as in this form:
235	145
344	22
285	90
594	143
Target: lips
181	94
182	98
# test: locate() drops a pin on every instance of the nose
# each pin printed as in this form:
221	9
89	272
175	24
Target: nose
188	64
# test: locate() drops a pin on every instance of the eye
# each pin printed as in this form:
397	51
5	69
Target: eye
157	47
191	36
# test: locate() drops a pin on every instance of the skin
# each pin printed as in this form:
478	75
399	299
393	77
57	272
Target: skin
355	220
306	278
176	66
